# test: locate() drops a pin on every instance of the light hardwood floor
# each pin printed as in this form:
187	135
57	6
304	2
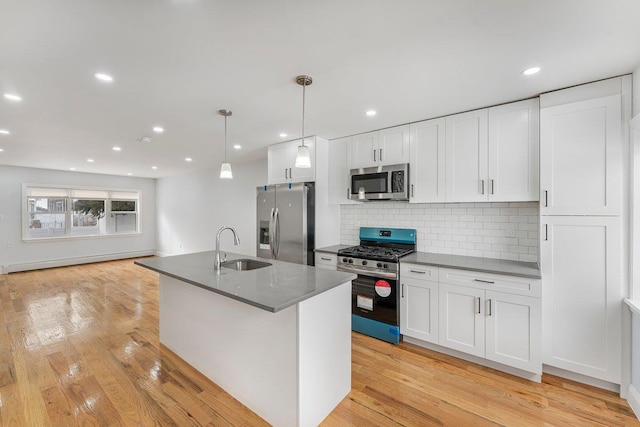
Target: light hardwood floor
80	346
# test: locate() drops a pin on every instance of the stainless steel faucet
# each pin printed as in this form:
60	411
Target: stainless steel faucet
236	242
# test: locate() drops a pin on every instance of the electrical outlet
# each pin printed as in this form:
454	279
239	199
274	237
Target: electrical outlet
510	230
9	244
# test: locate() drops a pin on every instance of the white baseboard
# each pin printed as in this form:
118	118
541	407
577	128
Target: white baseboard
163	254
13	268
573	376
634	400
531	376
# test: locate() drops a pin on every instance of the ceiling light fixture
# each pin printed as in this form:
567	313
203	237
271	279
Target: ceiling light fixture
531	71
72	169
90	160
283	135
1	150
237	146
12	97
129	173
188	159
103	77
158	129
4	132
154	167
303	158
225	168
117	149
371	113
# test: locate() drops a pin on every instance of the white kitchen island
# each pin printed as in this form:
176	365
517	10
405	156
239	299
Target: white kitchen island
277	338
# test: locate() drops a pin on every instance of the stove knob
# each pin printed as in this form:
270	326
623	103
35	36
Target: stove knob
350	261
364	262
385	266
379	265
344	260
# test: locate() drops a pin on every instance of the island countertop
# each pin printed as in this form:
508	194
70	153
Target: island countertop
272	288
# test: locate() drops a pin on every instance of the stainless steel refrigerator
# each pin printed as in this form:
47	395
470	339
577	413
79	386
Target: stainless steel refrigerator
286	222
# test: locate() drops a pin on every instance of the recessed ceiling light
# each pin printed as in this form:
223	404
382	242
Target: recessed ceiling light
90	160
237	146
371	113
531	71
12	97
283	135
72	169
103	77
1	150
154	167
158	129
129	173
188	159
117	149
4	132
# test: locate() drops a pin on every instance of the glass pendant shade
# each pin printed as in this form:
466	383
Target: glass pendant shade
303	159
225	171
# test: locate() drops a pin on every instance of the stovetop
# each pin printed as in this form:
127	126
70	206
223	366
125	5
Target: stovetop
377	253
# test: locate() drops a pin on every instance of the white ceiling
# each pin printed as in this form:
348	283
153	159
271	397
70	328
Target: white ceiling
177	62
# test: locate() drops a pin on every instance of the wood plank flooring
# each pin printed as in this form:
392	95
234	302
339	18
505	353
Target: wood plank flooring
79	346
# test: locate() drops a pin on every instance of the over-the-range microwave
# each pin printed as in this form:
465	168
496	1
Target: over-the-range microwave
389	182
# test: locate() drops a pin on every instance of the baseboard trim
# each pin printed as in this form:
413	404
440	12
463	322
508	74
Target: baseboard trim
531	376
163	254
634	400
573	376
14	268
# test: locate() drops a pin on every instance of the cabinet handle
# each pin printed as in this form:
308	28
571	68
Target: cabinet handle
484	281
546	232
285	173
491	186
478	305
290	176
489	301
381	154
348	192
374	155
482	186
325	259
418	271
546	198
411	190
402	290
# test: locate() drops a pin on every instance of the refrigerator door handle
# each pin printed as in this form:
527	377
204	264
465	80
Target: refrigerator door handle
277	236
272	232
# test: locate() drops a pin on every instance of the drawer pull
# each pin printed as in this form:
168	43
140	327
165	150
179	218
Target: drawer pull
402	290
418	271
325	259
484	281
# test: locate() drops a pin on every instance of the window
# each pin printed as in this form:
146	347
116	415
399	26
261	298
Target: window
53	212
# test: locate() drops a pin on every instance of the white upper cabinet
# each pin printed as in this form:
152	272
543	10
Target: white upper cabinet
466	156
581	158
281	159
513	151
427	168
339	185
379	148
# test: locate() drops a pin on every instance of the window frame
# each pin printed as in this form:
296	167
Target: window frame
69	189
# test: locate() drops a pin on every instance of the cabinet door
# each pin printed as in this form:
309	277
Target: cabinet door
581	268
393	145
580	158
339	185
427	169
419	309
364	150
466	157
303	174
461	320
513	151
513	331
280	158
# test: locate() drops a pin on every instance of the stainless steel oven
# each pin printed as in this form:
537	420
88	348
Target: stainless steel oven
389	182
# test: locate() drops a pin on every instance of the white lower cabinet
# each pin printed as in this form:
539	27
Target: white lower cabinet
492	316
326	260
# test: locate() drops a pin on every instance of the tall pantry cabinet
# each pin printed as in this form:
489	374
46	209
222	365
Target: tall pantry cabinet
583	226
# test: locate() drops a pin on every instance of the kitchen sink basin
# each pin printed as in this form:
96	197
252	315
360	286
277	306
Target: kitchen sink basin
245	264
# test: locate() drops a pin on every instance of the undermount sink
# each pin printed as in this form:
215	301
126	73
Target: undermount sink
245	264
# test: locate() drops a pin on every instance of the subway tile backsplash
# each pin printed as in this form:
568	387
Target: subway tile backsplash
490	230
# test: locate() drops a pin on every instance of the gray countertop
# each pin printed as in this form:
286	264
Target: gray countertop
333	249
487	265
271	288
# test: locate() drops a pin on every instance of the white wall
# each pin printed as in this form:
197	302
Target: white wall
191	208
636	91
473	229
11	180
635	327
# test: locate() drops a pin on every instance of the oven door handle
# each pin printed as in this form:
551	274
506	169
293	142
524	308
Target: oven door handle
369	273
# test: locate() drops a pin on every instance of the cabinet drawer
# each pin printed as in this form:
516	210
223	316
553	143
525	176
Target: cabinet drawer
418	271
490	281
326	260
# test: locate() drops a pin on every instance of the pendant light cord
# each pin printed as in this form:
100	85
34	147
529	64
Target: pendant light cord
225	139
304	86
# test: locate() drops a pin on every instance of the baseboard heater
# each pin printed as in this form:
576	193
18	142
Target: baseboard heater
14	268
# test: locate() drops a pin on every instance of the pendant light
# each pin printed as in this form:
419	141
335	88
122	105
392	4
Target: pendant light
303	159
225	169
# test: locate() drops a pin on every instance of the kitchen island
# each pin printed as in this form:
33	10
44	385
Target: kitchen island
277	338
